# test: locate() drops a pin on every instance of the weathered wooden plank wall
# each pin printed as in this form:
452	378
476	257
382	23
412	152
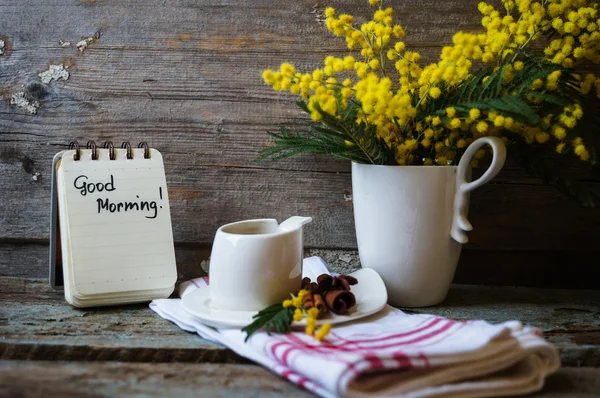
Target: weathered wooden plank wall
185	76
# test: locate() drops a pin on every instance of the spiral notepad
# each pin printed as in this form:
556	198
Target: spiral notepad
116	240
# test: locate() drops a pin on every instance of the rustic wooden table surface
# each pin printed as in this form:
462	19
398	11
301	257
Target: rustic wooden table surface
48	348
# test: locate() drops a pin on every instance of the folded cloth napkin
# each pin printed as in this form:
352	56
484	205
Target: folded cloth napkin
391	354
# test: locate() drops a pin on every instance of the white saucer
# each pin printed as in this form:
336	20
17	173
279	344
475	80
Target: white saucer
370	293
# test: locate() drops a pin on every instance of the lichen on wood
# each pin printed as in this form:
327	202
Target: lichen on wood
54	72
1	47
84	43
22	100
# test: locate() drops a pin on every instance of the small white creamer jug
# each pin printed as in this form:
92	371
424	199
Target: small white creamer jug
256	263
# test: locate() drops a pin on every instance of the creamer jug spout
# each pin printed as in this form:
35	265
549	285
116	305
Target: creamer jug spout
294	223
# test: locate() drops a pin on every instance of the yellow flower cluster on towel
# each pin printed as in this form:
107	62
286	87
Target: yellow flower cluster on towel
311	315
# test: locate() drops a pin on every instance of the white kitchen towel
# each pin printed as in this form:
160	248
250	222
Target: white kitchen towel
391	354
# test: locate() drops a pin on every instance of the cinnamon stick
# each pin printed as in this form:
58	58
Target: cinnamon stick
320	304
340	301
305	283
308	301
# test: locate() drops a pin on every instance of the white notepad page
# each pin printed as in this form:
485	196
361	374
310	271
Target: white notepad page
117	220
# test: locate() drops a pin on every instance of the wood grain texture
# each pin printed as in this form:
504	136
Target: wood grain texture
87	380
69	379
37	324
185	76
552	269
30	260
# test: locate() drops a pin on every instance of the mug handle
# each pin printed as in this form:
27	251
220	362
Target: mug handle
460	224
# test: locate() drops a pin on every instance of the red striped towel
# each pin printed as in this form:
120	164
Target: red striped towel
392	353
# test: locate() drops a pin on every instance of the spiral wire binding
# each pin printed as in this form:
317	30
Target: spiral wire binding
144	145
127	145
111	150
91	144
75	145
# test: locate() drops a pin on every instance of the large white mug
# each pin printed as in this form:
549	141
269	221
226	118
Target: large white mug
256	263
411	222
